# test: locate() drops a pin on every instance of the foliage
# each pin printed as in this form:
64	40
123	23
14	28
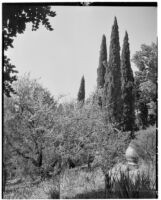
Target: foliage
146	139
78	134
146	61
81	92
113	78
28	117
101	68
124	186
54	194
85	132
28	190
81	181
20	191
9	69
15	17
98	97
127	81
143	115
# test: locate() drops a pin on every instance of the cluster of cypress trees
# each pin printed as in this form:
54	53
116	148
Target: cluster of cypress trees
115	76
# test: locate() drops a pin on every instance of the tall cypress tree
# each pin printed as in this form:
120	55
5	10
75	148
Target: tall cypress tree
127	87
113	78
101	68
81	92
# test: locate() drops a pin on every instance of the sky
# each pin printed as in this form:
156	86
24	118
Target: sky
61	57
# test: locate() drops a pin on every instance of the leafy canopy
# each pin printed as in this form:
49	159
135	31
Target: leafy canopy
15	18
28	117
146	61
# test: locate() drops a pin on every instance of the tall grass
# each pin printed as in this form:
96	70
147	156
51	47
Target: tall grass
130	185
82	183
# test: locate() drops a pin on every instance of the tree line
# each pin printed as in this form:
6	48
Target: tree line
122	94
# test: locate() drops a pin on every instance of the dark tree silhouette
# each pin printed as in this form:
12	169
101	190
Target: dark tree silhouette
101	68
143	116
15	17
81	93
113	78
127	87
8	78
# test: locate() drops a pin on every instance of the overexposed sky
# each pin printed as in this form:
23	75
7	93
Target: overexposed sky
62	56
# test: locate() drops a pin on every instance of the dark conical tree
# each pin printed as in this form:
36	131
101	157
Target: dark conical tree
81	93
112	89
101	68
127	87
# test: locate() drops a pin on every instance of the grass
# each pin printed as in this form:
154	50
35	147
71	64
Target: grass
129	185
28	190
18	191
75	183
95	194
81	183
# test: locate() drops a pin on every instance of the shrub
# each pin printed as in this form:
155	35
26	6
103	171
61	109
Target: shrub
146	140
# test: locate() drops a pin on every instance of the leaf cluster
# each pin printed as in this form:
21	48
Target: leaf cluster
15	18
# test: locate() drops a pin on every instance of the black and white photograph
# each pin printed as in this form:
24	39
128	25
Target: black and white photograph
79	100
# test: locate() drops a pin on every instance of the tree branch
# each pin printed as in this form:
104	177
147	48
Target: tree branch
23	154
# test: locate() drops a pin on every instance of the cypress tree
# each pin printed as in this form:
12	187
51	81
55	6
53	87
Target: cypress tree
101	68
112	90
127	87
81	93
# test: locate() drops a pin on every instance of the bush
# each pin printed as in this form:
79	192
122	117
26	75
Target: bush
146	142
83	132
